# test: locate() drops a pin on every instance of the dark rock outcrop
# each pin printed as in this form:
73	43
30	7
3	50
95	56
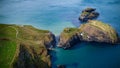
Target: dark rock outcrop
88	14
93	31
51	42
89	10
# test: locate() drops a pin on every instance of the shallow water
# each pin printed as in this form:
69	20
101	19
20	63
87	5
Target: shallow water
55	15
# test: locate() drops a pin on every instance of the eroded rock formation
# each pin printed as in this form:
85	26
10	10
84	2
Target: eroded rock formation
93	30
88	14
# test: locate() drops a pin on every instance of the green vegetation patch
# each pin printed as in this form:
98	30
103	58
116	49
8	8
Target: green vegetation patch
85	13
7	52
7	31
69	32
7	45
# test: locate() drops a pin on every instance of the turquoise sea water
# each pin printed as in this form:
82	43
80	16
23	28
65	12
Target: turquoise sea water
55	15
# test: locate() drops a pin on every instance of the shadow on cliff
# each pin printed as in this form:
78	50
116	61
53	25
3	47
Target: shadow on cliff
53	54
26	60
53	58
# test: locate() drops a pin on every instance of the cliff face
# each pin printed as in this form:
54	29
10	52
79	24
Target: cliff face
99	32
30	46
69	37
29	57
93	30
33	48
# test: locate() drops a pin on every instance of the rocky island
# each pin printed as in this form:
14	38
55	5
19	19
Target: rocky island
25	47
92	31
88	14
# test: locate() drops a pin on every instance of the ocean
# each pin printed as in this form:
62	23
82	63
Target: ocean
55	15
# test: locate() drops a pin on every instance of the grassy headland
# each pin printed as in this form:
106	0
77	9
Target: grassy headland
26	39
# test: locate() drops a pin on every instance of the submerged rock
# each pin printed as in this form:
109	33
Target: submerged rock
88	14
93	31
61	66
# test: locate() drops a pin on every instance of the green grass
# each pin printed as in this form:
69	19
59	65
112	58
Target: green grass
69	32
7	45
7	32
7	52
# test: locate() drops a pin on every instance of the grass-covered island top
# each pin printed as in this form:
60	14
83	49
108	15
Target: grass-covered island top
92	31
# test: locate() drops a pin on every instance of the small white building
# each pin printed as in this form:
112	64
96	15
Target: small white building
82	34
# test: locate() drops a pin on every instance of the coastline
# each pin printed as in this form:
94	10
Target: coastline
54	16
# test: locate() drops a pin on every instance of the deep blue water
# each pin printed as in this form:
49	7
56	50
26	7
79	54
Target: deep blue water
55	15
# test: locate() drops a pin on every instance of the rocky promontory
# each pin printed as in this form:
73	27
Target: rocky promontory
25	46
88	14
92	31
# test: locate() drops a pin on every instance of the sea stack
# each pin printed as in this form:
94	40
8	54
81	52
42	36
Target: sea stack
88	14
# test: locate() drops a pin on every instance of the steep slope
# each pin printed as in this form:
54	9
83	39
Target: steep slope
30	46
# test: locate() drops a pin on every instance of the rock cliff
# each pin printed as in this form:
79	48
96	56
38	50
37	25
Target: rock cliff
28	46
93	30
